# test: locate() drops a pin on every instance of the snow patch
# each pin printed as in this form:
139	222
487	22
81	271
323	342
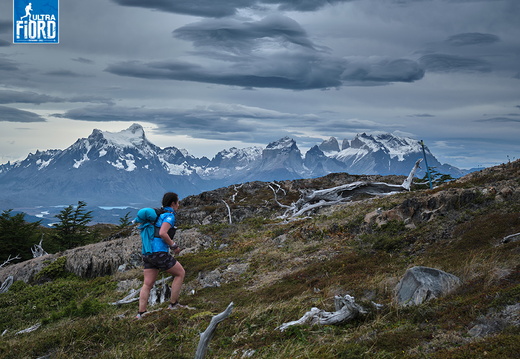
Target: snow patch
42	164
78	163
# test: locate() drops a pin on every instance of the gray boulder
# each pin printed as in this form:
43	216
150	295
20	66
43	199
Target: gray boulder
420	284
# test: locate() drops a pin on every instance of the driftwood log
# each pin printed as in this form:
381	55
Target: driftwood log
6	284
346	309
30	329
207	335
311	200
160	293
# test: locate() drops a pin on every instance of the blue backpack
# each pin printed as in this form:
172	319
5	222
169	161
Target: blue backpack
147	217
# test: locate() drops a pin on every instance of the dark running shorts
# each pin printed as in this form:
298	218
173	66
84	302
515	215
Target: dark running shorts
159	260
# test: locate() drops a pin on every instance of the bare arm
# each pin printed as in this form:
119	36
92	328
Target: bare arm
163	233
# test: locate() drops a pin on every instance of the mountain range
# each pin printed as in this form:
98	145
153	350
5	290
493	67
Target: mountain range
126	169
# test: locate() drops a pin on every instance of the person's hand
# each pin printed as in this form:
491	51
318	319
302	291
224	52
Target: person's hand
175	248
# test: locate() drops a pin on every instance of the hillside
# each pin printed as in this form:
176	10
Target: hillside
276	270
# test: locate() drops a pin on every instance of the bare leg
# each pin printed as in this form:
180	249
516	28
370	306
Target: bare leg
178	272
150	275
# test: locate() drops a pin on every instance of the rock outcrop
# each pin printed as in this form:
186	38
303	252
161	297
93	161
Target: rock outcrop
100	259
420	284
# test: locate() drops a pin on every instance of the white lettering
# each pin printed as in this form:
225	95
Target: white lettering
36	28
51	29
31	30
19	28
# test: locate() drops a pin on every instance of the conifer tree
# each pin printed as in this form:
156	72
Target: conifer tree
72	229
16	235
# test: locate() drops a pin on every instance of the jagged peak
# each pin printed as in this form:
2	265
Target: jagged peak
285	142
330	145
130	137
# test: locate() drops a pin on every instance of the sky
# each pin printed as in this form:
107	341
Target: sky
205	75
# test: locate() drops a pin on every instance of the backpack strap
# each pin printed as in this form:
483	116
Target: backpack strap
171	231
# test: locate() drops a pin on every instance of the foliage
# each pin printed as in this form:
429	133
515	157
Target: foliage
17	236
53	271
72	229
125	221
436	178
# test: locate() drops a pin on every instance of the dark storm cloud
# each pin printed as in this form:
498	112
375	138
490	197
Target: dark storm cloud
500	120
83	60
299	67
238	37
274	52
10	97
64	73
472	38
5	26
296	71
216	122
385	71
303	5
9	114
286	71
453	63
8	65
218	9
425	115
205	8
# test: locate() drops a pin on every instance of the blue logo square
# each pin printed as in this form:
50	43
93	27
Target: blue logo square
35	21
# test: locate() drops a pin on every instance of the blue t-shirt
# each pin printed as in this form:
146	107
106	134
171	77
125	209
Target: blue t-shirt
158	245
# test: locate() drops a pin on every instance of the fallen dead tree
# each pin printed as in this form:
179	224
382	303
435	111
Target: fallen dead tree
160	293
311	200
207	335
346	309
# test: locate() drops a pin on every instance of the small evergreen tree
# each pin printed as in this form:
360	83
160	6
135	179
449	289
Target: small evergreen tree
436	177
72	229
17	236
124	221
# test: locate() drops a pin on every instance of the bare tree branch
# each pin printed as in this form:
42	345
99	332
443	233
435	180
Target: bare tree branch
207	335
229	212
30	329
38	250
9	259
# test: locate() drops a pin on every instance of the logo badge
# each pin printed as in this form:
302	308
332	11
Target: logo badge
35	22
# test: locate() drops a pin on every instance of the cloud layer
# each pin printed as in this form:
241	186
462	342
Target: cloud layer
252	71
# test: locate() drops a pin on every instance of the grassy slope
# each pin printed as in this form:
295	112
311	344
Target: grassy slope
293	267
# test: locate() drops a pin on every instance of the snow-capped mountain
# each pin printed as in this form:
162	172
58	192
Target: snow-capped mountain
381	154
124	168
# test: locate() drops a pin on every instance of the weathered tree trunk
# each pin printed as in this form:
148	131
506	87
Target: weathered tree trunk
207	335
38	251
6	284
346	309
344	193
160	293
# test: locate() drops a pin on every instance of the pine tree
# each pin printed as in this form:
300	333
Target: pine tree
72	230
17	236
